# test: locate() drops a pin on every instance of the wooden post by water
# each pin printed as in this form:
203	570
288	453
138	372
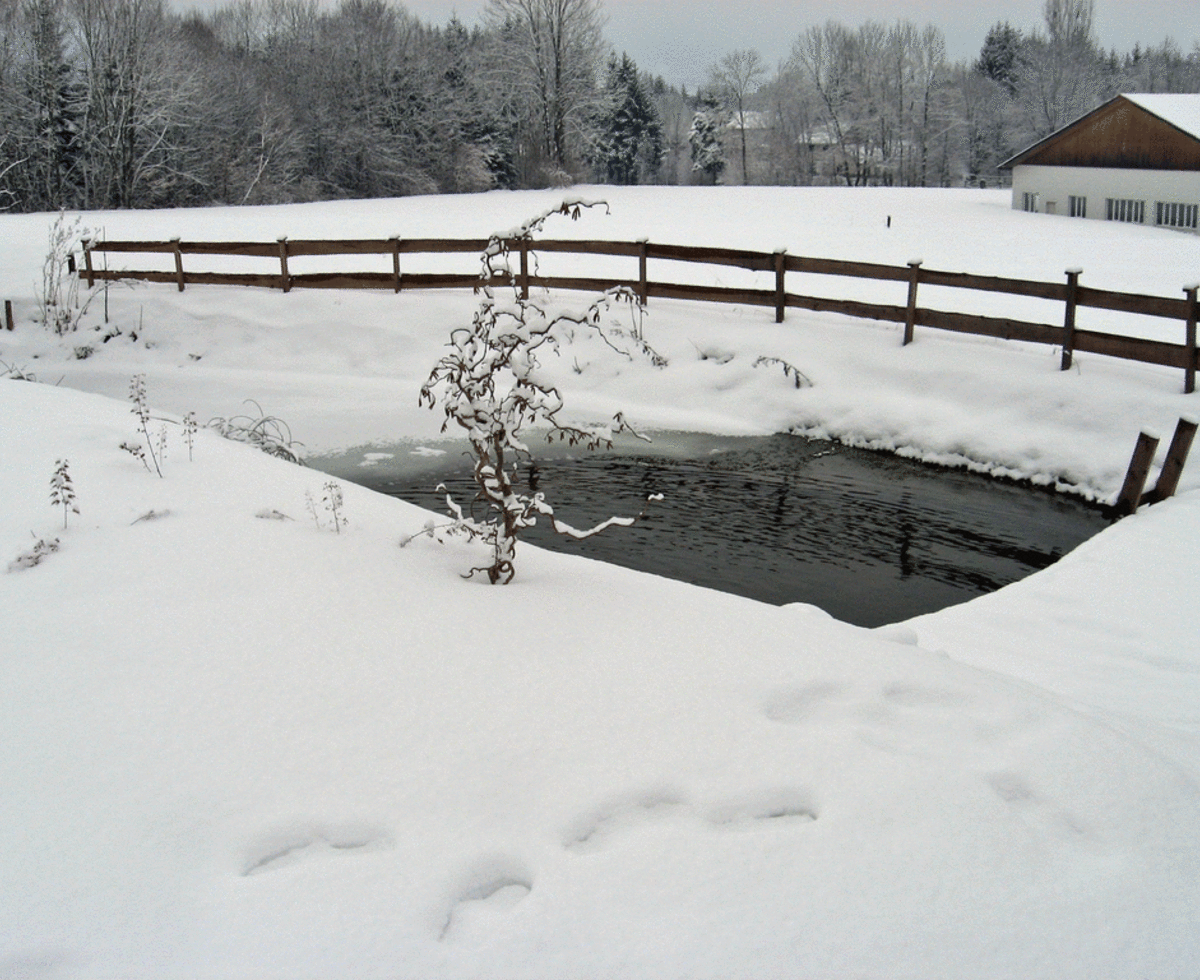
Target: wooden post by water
643	279
396	261
1068	348
910	317
8	317
285	280
178	264
780	292
87	262
523	282
1177	454
1189	372
1135	477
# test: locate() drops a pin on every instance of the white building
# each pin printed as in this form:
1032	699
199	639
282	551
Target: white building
1136	159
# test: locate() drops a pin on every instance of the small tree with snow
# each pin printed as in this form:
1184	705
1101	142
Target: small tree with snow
141	408
491	386
62	490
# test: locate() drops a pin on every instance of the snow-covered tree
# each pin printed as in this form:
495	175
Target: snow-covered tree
53	110
491	385
1061	76
549	57
62	490
736	78
708	150
1000	56
628	144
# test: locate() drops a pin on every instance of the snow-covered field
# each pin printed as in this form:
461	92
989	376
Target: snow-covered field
234	743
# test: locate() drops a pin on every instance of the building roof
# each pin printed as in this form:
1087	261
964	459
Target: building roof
1147	132
1181	111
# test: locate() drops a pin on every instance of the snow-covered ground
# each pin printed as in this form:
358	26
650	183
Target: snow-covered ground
234	743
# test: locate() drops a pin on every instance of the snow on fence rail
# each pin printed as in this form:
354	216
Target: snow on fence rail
1070	293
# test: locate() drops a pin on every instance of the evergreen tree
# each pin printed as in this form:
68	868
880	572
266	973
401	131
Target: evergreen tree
629	143
708	152
999	59
482	143
49	125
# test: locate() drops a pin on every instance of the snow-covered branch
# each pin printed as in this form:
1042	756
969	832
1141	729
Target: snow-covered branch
490	385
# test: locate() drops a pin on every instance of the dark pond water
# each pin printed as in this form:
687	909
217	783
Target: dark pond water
869	537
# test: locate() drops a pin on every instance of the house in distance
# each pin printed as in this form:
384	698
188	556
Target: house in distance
1136	158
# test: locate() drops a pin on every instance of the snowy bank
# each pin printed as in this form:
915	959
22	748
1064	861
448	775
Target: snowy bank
236	743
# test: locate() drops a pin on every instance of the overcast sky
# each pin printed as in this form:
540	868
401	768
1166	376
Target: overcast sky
680	39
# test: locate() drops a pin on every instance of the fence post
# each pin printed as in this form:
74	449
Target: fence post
1135	477
1068	347
910	317
396	260
87	262
780	292
1189	372
8	316
178	264
285	280
643	283
524	280
1172	469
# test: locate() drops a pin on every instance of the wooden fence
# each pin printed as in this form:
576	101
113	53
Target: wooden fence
1070	293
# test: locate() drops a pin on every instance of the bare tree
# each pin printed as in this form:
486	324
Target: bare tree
820	56
141	103
736	78
1162	69
791	146
1060	78
550	55
899	85
929	119
1069	22
844	68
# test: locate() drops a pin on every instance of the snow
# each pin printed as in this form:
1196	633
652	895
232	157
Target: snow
234	743
1182	111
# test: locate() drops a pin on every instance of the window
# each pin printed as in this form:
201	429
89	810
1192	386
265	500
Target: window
1029	201
1119	209
1175	215
1077	206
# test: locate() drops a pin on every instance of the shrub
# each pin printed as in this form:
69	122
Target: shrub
490	386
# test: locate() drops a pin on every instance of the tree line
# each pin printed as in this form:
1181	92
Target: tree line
126	103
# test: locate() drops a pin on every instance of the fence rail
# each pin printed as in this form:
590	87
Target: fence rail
1070	293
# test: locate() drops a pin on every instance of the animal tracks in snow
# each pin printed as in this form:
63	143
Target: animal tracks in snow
492	888
771	807
1017	792
794	705
291	845
775	807
592	830
923	696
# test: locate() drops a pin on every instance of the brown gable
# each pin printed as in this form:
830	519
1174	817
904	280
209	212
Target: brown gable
1119	134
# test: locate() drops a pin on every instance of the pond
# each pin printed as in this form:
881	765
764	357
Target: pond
869	537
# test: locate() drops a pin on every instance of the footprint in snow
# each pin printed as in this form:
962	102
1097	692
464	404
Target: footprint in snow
485	894
769	807
794	705
289	846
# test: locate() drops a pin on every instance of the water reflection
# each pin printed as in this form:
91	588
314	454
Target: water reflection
870	538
